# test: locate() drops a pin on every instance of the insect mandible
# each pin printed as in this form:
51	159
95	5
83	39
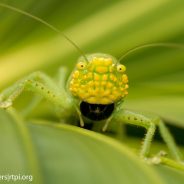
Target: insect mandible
94	92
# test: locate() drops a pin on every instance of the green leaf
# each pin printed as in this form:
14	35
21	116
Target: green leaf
56	153
170	176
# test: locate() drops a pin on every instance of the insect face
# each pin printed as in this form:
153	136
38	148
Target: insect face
101	80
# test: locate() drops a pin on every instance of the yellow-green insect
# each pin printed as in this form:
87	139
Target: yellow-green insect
94	92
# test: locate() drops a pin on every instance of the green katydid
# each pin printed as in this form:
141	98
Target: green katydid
94	92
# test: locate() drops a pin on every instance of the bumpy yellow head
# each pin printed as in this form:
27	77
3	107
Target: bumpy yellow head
100	81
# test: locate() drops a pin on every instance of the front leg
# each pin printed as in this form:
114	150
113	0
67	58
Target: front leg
39	83
142	121
150	125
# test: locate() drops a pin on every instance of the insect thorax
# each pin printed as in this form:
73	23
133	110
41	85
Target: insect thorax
101	80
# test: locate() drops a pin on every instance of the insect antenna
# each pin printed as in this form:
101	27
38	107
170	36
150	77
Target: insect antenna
168	45
46	24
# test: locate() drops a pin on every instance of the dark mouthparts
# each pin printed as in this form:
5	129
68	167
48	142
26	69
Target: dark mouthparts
96	112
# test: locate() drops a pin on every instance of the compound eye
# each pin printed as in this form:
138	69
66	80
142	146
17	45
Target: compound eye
121	68
81	65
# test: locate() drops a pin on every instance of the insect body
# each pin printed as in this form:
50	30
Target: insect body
95	91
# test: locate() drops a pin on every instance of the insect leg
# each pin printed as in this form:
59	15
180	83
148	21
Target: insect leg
104	128
150	125
39	83
37	99
139	120
80	117
167	137
36	76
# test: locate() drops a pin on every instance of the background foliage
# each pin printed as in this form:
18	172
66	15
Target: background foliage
54	153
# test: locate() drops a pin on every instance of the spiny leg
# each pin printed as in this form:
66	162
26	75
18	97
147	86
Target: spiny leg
40	76
150	125
139	120
39	83
148	139
61	82
169	141
12	92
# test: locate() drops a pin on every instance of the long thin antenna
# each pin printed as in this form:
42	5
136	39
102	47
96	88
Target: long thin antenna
169	45
46	24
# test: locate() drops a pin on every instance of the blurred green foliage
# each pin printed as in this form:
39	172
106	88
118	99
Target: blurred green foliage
110	26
